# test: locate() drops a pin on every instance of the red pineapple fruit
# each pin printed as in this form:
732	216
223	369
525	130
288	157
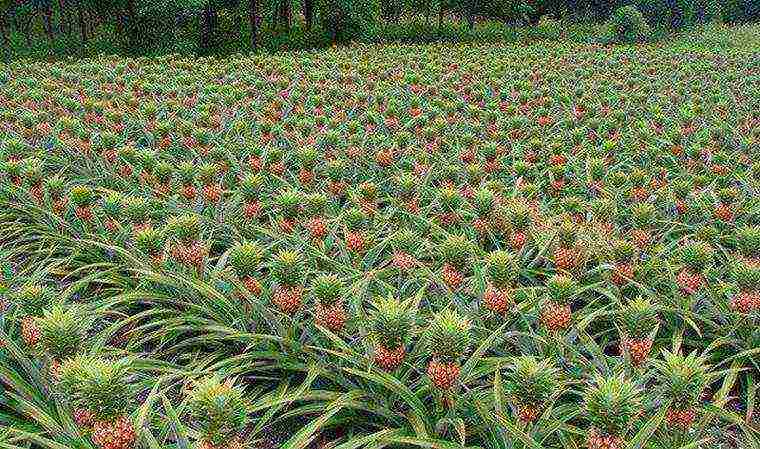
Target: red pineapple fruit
328	308
288	271
250	187
449	339
245	259
455	251
695	256
315	209
637	321
501	272
356	221
556	314
747	277
82	198
390	328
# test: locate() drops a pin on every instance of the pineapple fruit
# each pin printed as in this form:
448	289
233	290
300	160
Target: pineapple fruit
637	320
62	333
556	314
611	404
218	411
245	259
530	383
390	327
31	299
682	380
694	256
568	253
747	278
288	270
455	251
449	339
405	244
623	257
501	272
329	311
82	197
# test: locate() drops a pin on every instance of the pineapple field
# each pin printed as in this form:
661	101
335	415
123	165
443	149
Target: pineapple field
545	245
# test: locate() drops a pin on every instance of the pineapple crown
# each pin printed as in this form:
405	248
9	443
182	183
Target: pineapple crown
406	184
355	218
150	241
288	268
450	199
327	289
642	215
532	382
623	251
137	209
612	403
289	203
501	269
519	215
336	169
405	240
696	255
218	410
33	171
368	191
682	378
62	331
207	173
315	204
185	227
163	172
112	204
308	158
747	276
391	323
638	318
603	209
54	185
245	259
561	288
448	336
455	250
81	196
187	173
33	298
639	177
681	188
484	201
573	204
748	241
98	385
567	234
727	195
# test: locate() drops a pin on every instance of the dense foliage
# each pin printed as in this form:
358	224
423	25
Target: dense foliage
398	246
150	27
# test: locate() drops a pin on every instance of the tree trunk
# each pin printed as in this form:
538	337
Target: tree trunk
285	15
440	20
253	18
308	13
47	22
82	23
4	29
63	20
208	29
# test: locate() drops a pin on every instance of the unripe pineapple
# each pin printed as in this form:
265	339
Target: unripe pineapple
455	251
448	339
151	242
748	243
611	404
187	171
82	197
163	172
315	205
218	412
328	297
208	178
405	244
556	314
245	259
288	271
100	388
450	203
390	328
637	320
724	210
623	257
501	271
62	331
520	219
289	205
530	383
137	210
694	256
112	208
356	220
250	189
642	219
682	380
483	202
32	299
406	188
367	193
747	277
568	254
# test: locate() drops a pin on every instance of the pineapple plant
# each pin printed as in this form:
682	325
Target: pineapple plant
556	313
612	404
100	390
137	211
748	244
455	251
355	237
289	205
187	247
288	270
55	185
150	241
637	322
623	258
218	413
336	170
307	157
329	311
694	257
112	209
519	218
747	278
390	328
449	203
163	173
725	209
501	272
682	379
448	338
245	259
483	203
82	197
62	333
642	218
31	300
407	192
405	244
187	178
568	253
315	205
211	189
530	383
